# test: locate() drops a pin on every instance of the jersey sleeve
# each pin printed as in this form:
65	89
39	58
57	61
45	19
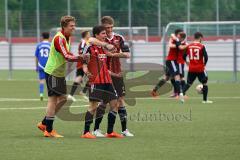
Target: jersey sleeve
205	55
60	46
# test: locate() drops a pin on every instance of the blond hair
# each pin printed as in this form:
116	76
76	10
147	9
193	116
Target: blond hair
66	19
107	20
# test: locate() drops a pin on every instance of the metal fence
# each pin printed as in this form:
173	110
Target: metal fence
31	21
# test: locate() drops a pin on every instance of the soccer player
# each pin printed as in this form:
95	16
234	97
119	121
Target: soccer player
79	73
172	70
114	65
198	58
101	87
41	56
180	61
55	72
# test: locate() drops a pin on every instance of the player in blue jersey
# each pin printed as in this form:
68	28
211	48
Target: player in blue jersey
41	55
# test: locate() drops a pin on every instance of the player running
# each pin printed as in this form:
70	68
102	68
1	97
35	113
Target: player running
41	56
198	58
55	72
114	65
172	69
101	87
79	73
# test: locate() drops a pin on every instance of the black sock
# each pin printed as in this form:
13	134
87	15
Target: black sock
123	117
74	88
85	89
88	121
44	121
183	83
111	121
205	92
178	87
49	123
174	86
186	87
160	84
99	115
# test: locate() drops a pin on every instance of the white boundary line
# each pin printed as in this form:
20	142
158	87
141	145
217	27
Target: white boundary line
36	108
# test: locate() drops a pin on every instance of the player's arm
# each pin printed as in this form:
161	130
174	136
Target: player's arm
182	46
100	43
173	36
205	55
185	56
171	43
60	46
36	58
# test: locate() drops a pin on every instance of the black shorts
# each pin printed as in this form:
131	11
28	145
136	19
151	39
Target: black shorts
181	70
202	77
56	86
102	93
79	72
171	68
119	86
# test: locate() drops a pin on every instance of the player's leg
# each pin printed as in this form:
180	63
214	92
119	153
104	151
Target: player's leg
190	79
99	116
122	112
112	98
168	72
182	74
76	83
89	119
174	88
41	83
203	78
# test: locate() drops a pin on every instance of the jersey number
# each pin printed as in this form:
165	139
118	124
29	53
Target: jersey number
44	52
194	54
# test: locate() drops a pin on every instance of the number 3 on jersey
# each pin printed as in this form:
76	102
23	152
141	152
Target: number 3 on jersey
44	52
194	54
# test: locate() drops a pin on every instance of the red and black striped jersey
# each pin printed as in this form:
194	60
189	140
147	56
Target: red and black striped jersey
114	63
172	53
97	65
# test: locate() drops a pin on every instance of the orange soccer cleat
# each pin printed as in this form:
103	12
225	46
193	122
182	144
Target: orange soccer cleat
114	135
53	133
41	126
154	93
88	135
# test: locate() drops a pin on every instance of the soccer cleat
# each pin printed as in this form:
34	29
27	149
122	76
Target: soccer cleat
53	133
207	102
71	98
113	135
181	97
88	135
41	126
126	133
154	93
98	133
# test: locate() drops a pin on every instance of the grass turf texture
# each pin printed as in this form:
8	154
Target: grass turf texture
211	131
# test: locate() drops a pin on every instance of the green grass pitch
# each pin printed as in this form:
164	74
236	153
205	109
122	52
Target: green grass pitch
163	128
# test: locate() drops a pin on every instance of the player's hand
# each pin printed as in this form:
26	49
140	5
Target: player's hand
109	47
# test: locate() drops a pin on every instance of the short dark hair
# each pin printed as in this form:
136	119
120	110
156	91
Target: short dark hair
97	30
45	35
177	31
84	34
183	35
198	35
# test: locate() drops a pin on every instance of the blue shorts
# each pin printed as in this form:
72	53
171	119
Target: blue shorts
41	74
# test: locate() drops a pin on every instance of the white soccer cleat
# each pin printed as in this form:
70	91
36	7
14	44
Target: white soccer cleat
181	97
126	133
71	98
207	102
98	133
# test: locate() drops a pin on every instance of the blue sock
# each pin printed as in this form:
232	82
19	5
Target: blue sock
41	88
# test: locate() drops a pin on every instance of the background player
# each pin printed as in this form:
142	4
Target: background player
198	58
114	65
41	56
172	69
79	73
101	89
